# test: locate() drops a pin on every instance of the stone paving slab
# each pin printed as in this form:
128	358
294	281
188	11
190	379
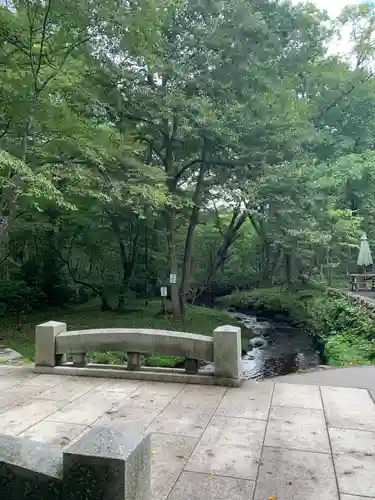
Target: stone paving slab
17	395
68	390
253	402
358	377
170	454
12	376
349	408
21	417
189	412
88	408
299	396
45	381
252	443
141	406
229	447
354	458
193	486
297	428
53	433
295	475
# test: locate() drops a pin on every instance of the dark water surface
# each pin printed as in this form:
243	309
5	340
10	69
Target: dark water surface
286	349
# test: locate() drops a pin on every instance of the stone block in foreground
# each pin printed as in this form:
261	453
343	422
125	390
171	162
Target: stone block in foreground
106	464
45	339
29	470
227	352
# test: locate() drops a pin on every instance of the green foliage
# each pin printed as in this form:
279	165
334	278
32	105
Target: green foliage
17	297
79	317
219	141
293	304
348	329
345	349
338	315
164	361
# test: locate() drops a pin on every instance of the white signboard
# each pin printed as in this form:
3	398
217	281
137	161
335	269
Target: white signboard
163	291
173	278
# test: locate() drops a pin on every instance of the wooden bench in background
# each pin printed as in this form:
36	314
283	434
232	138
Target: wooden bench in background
362	281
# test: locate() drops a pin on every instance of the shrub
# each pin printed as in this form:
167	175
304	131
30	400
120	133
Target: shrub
348	348
295	304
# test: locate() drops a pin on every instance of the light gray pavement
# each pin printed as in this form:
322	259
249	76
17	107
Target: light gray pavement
263	440
359	377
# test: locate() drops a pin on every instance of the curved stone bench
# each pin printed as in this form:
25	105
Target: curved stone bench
164	342
54	342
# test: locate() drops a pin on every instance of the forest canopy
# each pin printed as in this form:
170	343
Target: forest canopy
227	143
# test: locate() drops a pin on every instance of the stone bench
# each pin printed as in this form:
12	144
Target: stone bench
53	342
103	464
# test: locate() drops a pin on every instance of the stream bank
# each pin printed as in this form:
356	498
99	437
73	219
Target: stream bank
341	328
273	347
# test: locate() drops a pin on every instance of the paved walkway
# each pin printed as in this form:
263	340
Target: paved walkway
292	442
358	377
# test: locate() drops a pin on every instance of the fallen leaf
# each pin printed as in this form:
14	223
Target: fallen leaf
212	475
227	439
272	498
153	452
64	441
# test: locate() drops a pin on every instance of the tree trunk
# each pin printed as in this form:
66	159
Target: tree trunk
277	262
265	267
170	213
189	242
288	268
104	304
222	253
170	220
127	261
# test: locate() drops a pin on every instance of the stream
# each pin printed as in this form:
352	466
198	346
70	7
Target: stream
272	348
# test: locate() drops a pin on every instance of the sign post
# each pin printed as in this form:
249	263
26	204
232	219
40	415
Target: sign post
163	295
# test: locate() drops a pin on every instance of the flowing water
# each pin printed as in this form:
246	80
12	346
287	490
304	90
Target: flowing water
271	348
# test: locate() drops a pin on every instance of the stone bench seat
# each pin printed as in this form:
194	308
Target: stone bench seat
164	342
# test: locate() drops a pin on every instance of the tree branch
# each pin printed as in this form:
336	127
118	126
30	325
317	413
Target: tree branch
6	128
343	95
44	29
129	116
30	47
5	258
254	223
71	272
185	167
218	223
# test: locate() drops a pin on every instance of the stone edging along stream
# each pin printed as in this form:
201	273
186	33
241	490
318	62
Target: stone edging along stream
366	302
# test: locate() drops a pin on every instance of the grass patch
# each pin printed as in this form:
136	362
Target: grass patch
199	320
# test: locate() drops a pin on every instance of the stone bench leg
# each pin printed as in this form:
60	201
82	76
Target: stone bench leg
227	352
191	366
106	464
134	361
45	338
79	359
